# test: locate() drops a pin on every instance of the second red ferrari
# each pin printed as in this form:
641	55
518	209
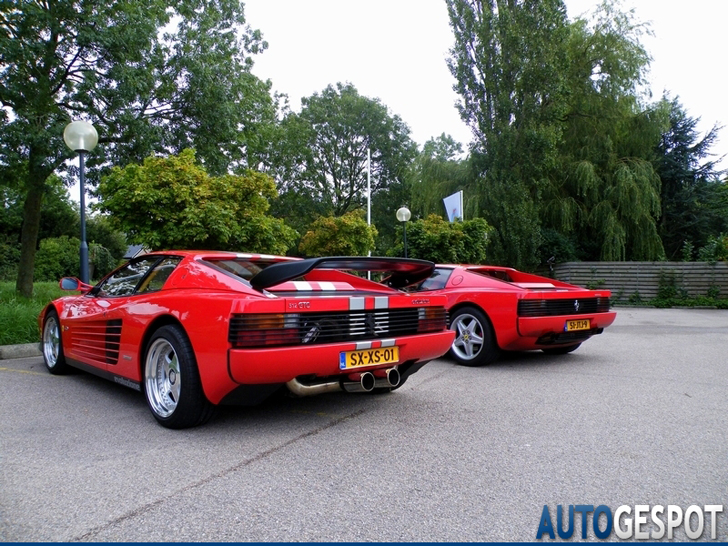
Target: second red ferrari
494	309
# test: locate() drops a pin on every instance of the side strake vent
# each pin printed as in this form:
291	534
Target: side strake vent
98	340
261	330
567	306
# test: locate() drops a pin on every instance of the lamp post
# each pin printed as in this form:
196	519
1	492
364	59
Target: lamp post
403	215
81	137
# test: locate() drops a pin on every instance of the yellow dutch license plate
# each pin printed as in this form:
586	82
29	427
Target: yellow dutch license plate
575	325
368	357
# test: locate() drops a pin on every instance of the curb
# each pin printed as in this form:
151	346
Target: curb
26	350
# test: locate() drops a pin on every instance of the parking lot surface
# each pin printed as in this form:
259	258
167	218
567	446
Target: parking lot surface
636	416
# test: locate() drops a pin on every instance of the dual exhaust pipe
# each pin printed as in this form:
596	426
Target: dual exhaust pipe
355	382
368	381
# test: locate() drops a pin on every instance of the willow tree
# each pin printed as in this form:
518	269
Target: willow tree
509	60
606	191
151	75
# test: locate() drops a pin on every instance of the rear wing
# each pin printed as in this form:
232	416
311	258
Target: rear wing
403	272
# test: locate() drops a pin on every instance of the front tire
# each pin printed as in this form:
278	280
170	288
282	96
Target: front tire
172	385
53	355
474	343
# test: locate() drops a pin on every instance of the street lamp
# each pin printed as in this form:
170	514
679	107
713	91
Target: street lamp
403	215
81	137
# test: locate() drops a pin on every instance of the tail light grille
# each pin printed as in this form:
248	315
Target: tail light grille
261	330
570	306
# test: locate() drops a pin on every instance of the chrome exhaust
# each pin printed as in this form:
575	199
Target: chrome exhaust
386	378
363	382
301	389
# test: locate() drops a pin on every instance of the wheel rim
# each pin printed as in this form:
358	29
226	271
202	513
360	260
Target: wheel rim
469	340
51	342
162	378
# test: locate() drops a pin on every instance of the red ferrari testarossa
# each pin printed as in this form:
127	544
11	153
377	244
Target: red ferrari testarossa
196	329
494	309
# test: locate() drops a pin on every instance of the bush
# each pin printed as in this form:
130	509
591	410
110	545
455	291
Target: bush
9	259
347	235
715	250
440	241
57	257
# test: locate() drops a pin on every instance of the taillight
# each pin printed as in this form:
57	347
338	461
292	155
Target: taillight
263	330
431	319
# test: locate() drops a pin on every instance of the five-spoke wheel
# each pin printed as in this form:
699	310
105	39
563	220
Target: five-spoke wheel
474	343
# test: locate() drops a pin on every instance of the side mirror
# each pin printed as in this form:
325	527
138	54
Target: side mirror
72	283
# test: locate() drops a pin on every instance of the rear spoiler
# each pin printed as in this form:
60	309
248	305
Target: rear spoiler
404	272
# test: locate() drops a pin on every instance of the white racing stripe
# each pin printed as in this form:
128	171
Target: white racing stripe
302	285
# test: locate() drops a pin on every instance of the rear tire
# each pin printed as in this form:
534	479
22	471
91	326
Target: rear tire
561	350
474	343
172	385
52	345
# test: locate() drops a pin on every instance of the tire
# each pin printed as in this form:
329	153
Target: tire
474	343
562	350
52	345
172	385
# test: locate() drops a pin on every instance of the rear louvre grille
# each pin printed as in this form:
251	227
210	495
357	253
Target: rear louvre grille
98	341
259	330
571	306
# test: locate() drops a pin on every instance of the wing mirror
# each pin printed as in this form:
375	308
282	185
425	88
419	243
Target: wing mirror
72	283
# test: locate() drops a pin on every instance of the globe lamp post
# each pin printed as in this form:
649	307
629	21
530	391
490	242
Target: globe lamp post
403	215
81	137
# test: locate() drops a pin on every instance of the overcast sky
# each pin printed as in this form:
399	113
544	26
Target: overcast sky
395	50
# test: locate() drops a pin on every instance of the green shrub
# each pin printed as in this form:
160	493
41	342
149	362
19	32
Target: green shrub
57	257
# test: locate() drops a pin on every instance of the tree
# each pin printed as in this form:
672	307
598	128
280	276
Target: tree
173	203
694	200
437	171
509	61
440	241
564	142
606	195
347	235
152	75
323	157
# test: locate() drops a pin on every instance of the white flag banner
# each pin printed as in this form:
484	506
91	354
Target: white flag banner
454	206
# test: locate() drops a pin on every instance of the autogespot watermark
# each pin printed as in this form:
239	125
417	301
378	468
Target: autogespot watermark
641	522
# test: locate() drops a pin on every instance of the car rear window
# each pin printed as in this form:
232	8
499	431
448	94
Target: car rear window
436	281
241	268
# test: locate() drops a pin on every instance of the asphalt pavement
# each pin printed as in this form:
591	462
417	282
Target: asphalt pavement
636	416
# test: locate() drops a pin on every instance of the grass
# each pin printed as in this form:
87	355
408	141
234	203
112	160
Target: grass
19	315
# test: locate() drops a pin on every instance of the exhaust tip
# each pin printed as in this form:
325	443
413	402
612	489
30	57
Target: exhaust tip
393	377
363	382
367	381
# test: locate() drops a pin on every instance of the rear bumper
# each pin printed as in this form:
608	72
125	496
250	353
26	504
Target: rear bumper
281	364
543	331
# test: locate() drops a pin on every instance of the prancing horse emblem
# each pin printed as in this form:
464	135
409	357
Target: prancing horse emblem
576	305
